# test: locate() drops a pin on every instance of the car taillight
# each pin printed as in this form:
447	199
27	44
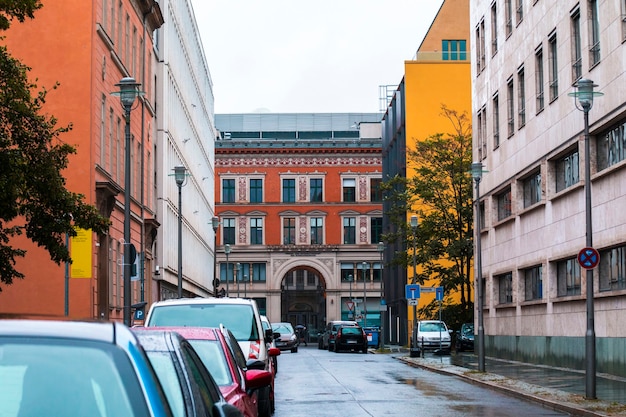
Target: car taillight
255	348
338	334
364	334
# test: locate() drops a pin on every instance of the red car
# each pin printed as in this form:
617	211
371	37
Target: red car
219	351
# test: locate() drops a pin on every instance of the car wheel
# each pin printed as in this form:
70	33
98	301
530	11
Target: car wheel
265	403
294	350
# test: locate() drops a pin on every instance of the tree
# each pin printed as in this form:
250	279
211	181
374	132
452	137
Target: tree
440	193
34	200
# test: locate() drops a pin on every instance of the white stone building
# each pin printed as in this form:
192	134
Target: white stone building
185	136
527	56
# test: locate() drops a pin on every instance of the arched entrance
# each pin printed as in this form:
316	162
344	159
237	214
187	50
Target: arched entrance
303	299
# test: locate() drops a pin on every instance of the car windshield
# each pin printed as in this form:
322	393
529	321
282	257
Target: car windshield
56	378
212	356
469	329
432	327
282	328
238	318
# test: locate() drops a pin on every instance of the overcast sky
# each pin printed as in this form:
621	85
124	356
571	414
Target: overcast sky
303	56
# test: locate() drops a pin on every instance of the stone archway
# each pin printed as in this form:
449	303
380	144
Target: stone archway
303	299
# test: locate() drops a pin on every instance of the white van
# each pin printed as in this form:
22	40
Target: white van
430	335
240	316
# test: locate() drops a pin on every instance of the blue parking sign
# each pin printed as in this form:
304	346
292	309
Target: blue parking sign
439	293
412	291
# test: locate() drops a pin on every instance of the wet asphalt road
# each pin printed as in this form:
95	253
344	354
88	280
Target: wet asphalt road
318	383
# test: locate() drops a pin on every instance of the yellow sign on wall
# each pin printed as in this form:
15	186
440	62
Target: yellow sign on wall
80	251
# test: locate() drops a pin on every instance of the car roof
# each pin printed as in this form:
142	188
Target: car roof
204	333
201	300
108	332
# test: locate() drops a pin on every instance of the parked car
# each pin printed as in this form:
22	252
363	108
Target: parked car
287	338
267	326
430	335
350	337
220	353
327	340
189	387
240	316
465	338
56	368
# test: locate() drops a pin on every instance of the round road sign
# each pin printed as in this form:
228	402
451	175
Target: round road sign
588	258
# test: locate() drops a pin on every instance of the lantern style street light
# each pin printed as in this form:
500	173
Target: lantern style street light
227	252
477	174
584	102
180	174
236	276
128	92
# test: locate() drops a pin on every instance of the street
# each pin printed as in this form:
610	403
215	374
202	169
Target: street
319	383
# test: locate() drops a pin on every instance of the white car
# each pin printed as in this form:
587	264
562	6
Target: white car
430	335
240	316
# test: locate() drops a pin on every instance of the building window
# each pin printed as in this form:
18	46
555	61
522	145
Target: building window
568	277
228	190
505	288
496	121
289	190
480	47
577	60
289	231
539	79
349	190
521	98
317	230
519	10
611	147
533	283
532	189
623	6
594	33
349	230
453	50
258	272
347	272
376	230
553	74
256	231
376	192
510	114
504	204
377	272
482	133
567	171
228	229
316	190
256	190
227	271
494	28
613	269
508	17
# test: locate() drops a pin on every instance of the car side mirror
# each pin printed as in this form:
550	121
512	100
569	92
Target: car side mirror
273	351
269	334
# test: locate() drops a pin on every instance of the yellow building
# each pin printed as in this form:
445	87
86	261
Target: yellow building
439	75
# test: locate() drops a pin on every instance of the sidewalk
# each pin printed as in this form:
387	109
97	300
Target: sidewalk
557	388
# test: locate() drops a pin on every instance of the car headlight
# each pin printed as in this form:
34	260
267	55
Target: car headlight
293	337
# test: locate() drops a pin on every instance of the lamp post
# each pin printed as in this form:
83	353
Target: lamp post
364	268
227	252
128	92
383	304
350	314
180	172
245	290
236	276
414	225
477	174
215	222
584	96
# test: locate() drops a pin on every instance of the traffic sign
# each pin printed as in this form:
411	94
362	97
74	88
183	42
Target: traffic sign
439	293
350	305
428	289
412	291
588	258
413	301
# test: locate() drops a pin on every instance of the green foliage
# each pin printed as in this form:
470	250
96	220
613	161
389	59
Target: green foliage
35	201
440	193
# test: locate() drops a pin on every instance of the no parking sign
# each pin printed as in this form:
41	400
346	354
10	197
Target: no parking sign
588	258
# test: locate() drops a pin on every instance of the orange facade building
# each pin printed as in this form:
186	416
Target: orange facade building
88	47
300	214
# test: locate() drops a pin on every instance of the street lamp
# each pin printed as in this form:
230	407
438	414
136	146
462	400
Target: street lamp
350	314
128	92
477	174
383	305
364	267
236	276
180	174
227	252
245	290
585	95
216	282
414	225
